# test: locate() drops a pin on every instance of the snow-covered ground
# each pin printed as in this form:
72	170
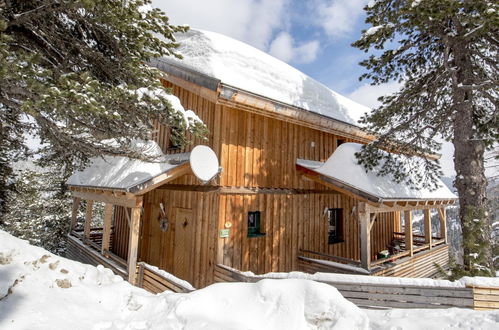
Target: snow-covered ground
39	290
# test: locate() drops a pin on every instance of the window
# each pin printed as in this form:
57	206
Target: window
254	224
339	142
335	221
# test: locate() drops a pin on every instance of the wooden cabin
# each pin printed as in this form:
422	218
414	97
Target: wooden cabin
279	204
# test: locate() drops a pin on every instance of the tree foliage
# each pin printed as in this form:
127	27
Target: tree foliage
75	74
445	53
40	209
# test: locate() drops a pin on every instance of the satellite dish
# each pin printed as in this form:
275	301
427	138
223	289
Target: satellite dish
204	163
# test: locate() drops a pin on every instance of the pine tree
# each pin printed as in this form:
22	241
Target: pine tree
75	74
40	209
445	53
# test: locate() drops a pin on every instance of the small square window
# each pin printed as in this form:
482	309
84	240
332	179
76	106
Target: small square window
254	229
335	222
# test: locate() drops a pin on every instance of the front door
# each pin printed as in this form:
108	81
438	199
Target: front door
183	243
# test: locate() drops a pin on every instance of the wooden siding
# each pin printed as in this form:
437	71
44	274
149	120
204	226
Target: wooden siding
291	223
198	243
254	150
120	232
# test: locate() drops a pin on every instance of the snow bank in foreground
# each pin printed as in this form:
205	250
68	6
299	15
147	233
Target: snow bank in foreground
39	290
50	292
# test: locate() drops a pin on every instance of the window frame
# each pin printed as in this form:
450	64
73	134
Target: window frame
254	230
335	214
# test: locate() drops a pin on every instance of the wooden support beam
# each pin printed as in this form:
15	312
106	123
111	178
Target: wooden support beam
74	213
365	235
106	234
133	246
408	232
125	200
427	227
88	221
443	223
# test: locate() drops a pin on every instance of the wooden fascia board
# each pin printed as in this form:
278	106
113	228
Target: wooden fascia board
206	93
110	198
240	99
161	179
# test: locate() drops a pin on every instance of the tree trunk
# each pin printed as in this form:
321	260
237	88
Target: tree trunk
470	181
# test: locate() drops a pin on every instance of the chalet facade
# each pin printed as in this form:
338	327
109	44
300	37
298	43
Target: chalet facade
289	196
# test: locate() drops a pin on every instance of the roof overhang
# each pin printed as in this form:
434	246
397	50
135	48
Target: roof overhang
343	173
215	90
142	187
355	192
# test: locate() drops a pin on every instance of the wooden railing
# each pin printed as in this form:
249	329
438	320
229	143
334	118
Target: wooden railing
485	298
313	262
388	295
154	281
90	254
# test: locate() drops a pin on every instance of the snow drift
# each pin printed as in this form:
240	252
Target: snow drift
39	290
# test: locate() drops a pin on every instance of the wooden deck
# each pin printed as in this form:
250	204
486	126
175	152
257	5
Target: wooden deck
421	264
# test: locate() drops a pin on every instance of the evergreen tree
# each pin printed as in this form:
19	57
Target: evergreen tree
75	74
40	209
445	52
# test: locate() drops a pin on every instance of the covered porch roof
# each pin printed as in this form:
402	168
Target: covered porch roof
343	173
128	175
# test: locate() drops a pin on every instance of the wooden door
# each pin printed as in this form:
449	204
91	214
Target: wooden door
183	243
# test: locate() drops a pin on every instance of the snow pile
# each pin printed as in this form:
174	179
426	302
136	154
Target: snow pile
342	165
39	290
366	279
122	173
240	65
50	292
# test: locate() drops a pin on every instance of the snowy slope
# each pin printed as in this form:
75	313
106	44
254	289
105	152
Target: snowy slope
245	67
50	292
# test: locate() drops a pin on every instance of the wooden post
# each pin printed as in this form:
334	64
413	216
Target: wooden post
74	213
365	236
106	235
408	232
443	223
88	221
133	245
397	222
427	227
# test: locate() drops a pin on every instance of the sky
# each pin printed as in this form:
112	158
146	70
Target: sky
314	36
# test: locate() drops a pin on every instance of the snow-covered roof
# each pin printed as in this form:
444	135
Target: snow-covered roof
242	66
127	174
343	169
